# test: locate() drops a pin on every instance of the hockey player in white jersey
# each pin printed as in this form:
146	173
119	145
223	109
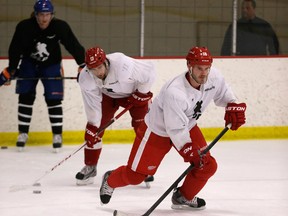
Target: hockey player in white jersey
107	83
172	122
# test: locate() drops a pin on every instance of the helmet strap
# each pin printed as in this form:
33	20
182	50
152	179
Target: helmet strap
192	76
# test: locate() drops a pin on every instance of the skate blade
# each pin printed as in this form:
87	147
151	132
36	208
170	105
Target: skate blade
56	150
120	213
87	181
20	149
186	207
148	180
147	184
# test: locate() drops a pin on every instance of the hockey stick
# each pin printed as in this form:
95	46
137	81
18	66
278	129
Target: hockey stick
174	185
42	78
36	183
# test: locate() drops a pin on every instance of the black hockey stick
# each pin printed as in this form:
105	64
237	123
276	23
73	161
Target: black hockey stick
42	78
174	185
36	183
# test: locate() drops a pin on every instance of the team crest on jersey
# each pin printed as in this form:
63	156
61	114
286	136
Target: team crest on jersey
197	110
151	167
41	53
109	90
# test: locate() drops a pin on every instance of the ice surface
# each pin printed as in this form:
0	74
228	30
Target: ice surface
251	180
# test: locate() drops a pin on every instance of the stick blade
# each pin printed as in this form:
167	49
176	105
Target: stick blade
16	188
120	213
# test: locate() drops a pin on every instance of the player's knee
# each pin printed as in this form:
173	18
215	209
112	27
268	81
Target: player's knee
27	98
209	168
136	123
53	102
212	165
134	178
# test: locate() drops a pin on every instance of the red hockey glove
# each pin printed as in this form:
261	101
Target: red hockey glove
90	135
235	114
193	155
139	99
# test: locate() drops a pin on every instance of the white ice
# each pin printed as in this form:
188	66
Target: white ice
251	180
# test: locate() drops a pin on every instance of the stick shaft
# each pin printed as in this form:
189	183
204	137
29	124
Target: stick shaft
207	149
77	150
42	78
113	119
174	185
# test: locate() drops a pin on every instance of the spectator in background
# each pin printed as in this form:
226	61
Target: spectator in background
36	46
255	36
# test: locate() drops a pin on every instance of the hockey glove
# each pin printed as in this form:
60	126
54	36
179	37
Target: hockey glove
139	99
81	67
90	135
193	155
235	114
5	77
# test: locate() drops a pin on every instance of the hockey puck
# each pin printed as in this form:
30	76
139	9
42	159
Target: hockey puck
37	191
4	147
37	184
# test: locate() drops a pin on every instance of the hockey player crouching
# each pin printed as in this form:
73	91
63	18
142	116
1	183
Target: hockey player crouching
107	83
172	122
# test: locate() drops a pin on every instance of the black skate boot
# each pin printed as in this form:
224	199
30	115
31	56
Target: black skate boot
21	141
105	190
86	175
57	142
181	203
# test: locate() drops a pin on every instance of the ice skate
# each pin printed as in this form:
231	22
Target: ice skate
181	203
105	190
57	142
86	175
21	141
148	180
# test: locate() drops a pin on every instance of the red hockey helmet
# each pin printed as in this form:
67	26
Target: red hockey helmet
94	57
199	56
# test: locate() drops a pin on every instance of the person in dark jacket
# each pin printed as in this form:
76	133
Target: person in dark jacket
35	53
255	36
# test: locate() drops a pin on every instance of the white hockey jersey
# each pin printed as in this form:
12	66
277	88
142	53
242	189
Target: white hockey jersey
125	75
178	106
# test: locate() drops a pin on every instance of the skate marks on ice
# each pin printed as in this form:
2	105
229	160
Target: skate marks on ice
251	179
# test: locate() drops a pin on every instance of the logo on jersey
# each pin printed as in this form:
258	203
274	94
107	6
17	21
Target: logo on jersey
109	90
197	110
151	167
112	83
211	88
51	37
41	53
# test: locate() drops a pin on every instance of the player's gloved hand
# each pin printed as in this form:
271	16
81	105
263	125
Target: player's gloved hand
139	99
90	135
5	76
81	67
193	155
235	114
